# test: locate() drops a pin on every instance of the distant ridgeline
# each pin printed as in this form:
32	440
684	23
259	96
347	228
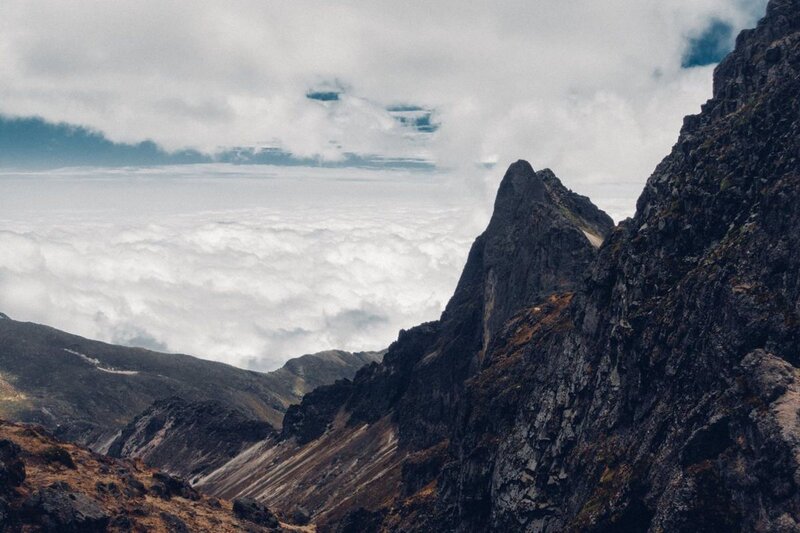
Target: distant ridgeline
88	391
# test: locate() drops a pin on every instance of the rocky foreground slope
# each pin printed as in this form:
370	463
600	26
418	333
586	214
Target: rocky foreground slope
48	485
651	387
87	391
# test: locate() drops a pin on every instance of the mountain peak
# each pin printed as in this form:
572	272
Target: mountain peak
520	180
525	196
789	10
539	241
762	56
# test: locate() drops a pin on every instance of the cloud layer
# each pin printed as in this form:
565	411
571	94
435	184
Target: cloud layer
249	286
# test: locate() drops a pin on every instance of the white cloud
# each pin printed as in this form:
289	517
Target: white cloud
346	266
594	89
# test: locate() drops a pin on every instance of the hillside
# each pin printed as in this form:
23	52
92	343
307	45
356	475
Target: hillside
86	391
48	485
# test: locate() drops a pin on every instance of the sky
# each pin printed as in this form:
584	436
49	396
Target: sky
247	181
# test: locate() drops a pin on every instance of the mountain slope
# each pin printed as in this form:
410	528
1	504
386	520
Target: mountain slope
47	485
86	390
540	241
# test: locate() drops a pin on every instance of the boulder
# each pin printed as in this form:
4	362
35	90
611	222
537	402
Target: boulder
59	508
256	512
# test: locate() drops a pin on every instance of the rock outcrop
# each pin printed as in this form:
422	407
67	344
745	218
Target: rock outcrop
188	438
97	493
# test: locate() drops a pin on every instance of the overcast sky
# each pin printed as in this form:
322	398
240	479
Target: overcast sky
595	90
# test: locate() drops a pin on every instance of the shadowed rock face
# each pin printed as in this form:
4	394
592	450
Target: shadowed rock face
188	438
540	240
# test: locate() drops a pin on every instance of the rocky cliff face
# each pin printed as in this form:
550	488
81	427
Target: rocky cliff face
188	438
662	396
660	392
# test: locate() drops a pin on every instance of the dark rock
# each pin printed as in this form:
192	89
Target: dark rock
12	469
167	486
213	502
300	516
133	487
256	512
192	437
6	515
361	521
138	510
59	508
773	55
318	410
58	455
109	488
173	523
121	523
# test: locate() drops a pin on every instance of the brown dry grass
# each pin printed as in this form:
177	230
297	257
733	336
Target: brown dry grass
205	514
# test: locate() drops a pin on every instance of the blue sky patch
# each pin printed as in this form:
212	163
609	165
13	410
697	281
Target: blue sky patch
414	116
31	142
709	47
323	96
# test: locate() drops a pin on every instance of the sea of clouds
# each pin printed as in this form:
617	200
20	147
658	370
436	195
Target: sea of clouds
237	265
